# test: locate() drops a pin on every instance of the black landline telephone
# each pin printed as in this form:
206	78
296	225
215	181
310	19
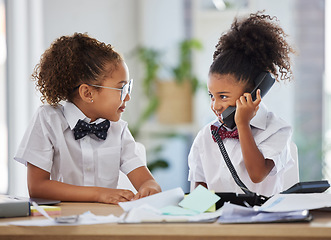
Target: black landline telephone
257	200
263	82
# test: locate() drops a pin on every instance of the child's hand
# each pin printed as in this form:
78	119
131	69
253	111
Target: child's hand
114	196
246	108
144	192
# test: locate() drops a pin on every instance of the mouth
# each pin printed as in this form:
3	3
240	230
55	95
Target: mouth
121	108
218	114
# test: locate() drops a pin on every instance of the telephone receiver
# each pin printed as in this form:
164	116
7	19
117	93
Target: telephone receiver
263	82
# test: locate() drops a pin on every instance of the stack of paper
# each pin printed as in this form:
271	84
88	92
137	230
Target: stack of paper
279	208
51	210
297	202
171	206
238	214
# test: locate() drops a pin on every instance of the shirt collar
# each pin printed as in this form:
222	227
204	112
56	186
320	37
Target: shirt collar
258	121
72	113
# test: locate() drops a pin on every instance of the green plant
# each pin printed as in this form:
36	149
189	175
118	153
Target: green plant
183	72
151	61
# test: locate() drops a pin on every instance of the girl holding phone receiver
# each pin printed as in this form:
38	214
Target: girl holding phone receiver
258	146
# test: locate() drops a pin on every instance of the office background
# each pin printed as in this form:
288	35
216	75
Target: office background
29	26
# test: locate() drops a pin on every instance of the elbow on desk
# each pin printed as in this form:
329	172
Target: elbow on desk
257	178
35	191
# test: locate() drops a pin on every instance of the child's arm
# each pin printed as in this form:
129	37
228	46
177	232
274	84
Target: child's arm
143	181
257	166
200	183
41	186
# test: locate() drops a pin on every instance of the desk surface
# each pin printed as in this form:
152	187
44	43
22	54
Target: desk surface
319	228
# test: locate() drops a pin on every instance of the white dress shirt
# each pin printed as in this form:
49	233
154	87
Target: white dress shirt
272	136
49	144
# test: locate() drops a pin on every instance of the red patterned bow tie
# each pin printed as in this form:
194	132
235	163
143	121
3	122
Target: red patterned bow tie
224	133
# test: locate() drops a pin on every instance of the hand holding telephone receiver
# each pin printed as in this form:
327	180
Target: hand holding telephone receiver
263	82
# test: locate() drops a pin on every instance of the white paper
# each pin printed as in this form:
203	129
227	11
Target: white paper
296	202
148	214
238	214
86	218
159	200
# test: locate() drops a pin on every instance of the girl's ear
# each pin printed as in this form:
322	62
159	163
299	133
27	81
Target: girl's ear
85	93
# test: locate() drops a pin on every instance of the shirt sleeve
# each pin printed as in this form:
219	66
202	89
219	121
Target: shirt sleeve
277	148
132	154
194	161
36	147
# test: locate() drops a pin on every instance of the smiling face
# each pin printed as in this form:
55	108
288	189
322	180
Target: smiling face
107	102
224	90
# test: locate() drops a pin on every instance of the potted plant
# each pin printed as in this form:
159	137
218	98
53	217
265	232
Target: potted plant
176	96
170	101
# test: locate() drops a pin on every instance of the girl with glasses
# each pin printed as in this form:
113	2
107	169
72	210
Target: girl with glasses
76	144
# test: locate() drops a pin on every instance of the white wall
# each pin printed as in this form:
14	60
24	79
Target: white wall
23	39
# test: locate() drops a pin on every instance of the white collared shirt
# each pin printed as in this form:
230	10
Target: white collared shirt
49	144
272	136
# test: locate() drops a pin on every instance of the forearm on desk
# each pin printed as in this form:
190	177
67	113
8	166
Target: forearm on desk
51	189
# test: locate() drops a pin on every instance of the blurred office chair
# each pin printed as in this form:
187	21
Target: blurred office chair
123	180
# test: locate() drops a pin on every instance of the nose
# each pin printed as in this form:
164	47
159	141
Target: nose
127	97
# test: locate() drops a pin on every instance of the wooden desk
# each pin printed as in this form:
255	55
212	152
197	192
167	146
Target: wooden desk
319	228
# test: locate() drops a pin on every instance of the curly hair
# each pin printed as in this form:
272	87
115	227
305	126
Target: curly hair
71	61
253	45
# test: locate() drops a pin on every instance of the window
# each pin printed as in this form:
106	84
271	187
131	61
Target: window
3	115
327	94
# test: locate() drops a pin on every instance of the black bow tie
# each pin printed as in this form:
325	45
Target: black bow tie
83	128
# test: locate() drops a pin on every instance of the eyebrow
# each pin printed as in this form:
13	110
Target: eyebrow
123	81
221	92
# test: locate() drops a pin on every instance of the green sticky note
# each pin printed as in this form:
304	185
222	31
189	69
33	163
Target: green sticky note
212	208
200	200
177	211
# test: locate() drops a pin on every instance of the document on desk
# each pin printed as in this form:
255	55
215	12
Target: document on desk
159	200
148	214
296	202
86	218
232	213
171	206
279	208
